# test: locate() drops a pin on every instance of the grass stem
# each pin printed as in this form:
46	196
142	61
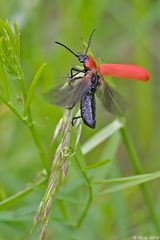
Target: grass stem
138	169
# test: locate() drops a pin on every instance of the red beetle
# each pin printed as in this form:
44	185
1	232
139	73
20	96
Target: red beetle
84	87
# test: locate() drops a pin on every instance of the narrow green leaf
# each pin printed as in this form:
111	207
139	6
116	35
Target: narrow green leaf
64	197
81	161
101	136
121	180
97	164
1	39
118	204
109	151
134	181
20	195
3	79
32	88
10	216
8	49
17	39
10	34
1	28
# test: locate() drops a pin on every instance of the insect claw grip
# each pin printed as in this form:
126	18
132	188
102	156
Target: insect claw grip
74	118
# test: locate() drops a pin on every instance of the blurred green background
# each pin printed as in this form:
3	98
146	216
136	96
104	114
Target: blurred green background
126	32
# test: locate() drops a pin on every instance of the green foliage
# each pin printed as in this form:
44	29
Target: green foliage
32	89
10	48
124	183
9	51
95	194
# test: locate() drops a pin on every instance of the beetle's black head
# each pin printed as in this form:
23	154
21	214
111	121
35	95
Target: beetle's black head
82	57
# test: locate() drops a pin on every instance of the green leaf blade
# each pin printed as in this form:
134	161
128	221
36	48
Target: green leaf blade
17	39
32	88
97	164
101	136
128	182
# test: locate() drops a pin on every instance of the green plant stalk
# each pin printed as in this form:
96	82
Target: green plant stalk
20	195
137	167
32	128
90	195
12	108
30	123
38	143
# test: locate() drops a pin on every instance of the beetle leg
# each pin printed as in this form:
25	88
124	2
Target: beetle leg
71	78
77	70
75	118
69	108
